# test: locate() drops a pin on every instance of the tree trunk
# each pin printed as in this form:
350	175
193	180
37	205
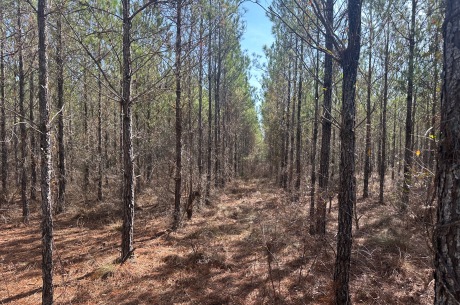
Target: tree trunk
189	114
15	145
209	148
285	153
313	150
447	234
326	125
178	172
299	129
217	159
99	130
128	164
409	123
292	114
4	151
200	109
45	149
70	145
17	176
393	156
60	108
384	115
224	135
22	126
367	162
86	141
400	149
347	193
432	150
33	150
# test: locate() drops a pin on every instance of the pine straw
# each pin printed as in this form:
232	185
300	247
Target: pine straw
250	247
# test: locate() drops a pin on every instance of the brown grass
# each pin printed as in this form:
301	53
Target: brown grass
251	247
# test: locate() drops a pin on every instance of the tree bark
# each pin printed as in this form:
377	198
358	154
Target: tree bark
285	152
313	150
33	150
409	123
86	172
190	133
432	150
326	125
45	148
209	147
367	161
128	159
299	129
293	116
393	155
4	150
347	193
447	234
178	172
384	115
217	112
200	109
60	108
99	130
22	126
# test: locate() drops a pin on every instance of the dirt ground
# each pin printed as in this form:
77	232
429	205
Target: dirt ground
250	247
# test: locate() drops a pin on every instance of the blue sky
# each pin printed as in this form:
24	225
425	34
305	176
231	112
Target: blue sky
258	33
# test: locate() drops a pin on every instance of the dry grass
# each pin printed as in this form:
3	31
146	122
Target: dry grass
251	247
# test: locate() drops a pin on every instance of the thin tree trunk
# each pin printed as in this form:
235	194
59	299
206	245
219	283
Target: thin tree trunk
400	154
415	126
235	156
347	194
209	150
70	145
200	109
384	115
178	172
299	129
22	126
393	156
85	132
409	123
285	155
293	115
189	116
291	130
128	159
15	144
447	234
333	168
434	103
33	150
147	146
45	149
99	131
313	151
60	203
217	161
4	151
431	145
223	136
367	162
326	126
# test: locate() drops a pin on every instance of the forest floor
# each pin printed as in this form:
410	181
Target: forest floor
250	247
